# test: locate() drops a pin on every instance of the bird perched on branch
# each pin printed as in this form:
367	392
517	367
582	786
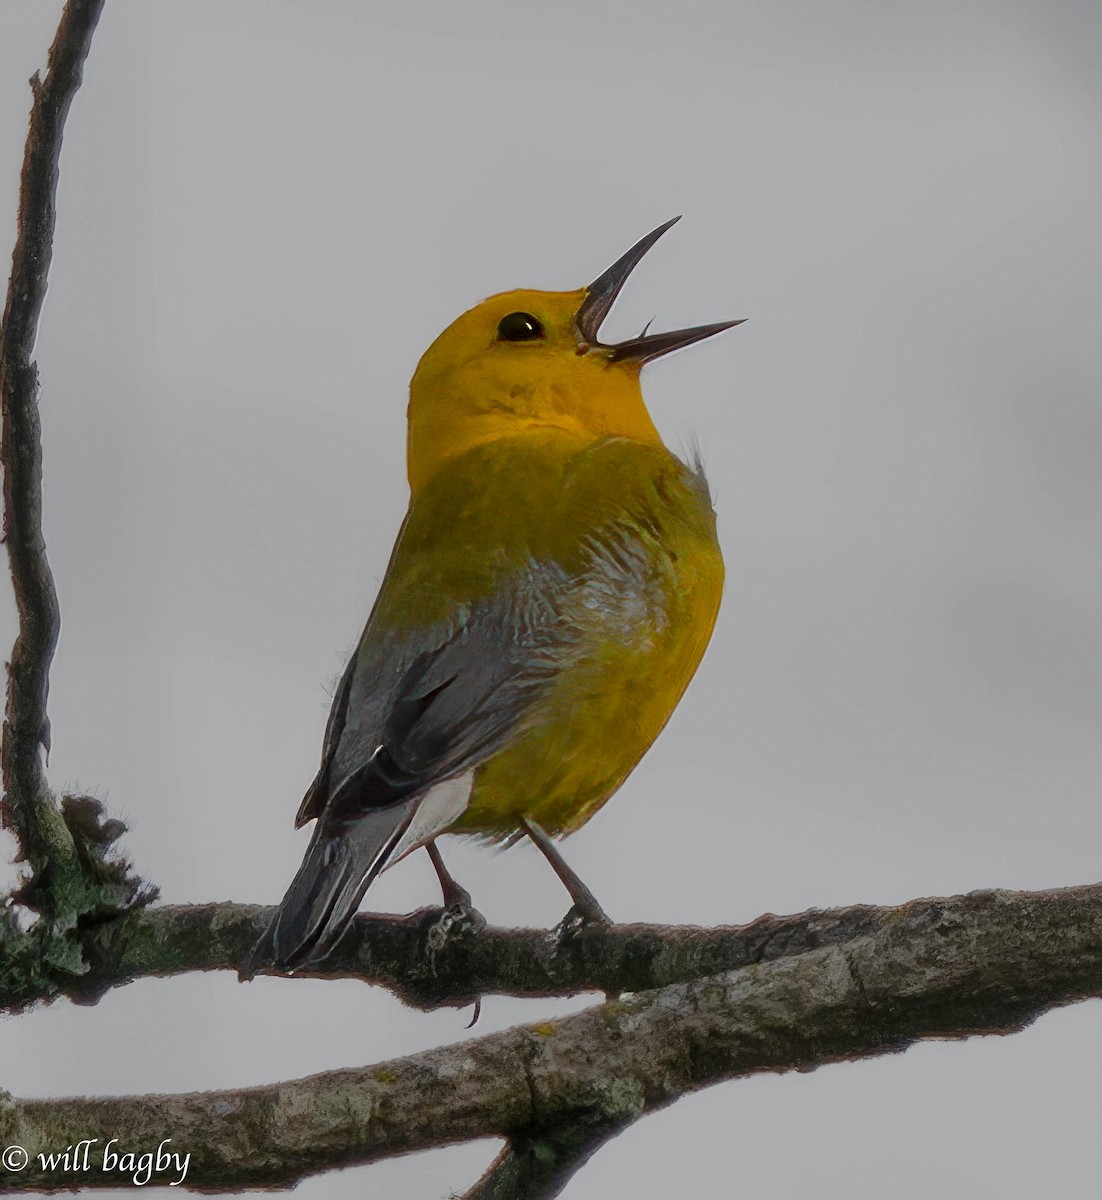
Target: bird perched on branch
551	592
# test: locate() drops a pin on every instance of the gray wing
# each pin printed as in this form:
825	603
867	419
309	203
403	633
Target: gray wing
412	716
414	709
314	800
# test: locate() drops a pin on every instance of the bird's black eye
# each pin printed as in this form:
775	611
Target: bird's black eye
519	327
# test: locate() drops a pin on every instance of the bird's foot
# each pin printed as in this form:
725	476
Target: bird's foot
585	909
580	917
455	922
465	918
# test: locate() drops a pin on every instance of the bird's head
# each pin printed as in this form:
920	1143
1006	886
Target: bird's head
527	363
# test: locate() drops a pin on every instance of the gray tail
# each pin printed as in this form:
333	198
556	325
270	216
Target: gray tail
324	895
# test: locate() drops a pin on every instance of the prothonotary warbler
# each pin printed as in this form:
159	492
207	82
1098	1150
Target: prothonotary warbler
552	590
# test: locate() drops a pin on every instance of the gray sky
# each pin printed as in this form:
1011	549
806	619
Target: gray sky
269	210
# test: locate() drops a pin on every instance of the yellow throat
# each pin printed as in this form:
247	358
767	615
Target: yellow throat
526	362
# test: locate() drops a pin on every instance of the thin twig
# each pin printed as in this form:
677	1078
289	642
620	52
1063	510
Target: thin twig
29	808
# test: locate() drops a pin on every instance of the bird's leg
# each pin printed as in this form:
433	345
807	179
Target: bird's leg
586	910
454	895
459	916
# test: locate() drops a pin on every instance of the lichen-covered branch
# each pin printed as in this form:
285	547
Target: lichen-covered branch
421	963
408	955
988	962
74	878
29	808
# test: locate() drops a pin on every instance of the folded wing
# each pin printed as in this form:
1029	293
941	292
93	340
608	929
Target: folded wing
415	713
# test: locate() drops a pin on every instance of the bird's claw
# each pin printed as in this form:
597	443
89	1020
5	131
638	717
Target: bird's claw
469	918
578	918
455	922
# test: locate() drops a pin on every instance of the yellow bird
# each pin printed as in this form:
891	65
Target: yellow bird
552	590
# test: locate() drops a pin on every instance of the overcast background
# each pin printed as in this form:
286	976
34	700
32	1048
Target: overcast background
267	212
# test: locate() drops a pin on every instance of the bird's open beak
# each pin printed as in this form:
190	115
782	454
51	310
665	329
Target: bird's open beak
603	291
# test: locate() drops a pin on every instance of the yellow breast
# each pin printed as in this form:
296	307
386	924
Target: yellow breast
634	532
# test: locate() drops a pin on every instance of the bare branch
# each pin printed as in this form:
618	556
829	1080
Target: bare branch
984	963
29	807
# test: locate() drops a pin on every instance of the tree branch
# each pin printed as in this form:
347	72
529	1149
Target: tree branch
423	966
29	807
74	878
534	1165
985	963
408	956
